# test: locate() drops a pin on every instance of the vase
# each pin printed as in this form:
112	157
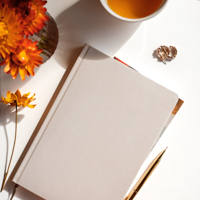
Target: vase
47	38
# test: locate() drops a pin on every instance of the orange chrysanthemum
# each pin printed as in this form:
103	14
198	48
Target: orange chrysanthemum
16	98
3	2
10	30
23	60
33	14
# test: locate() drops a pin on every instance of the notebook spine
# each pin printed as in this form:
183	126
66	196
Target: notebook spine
50	114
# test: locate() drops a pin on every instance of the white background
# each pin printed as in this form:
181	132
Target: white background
178	175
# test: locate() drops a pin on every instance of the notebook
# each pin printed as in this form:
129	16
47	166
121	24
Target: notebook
102	126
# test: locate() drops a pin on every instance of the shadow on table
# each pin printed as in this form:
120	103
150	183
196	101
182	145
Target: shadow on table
88	22
84	22
7	115
22	193
7	83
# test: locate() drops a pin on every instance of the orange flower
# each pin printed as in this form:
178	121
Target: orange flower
17	98
4	2
33	14
10	30
24	60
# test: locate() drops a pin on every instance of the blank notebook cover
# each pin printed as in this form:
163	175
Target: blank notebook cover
102	126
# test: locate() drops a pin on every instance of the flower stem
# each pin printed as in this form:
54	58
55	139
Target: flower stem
14	191
6	174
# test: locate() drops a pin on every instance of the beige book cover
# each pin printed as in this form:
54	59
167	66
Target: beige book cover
102	126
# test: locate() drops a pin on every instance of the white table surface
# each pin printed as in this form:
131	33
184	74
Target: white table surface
86	21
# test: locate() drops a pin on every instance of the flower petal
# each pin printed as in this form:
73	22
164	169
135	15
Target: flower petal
13	69
26	95
22	73
14	97
9	94
14	77
7	67
22	99
25	103
18	93
31	106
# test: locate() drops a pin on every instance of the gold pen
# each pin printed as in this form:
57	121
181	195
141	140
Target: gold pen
145	176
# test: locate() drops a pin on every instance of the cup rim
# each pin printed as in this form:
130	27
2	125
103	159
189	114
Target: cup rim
109	10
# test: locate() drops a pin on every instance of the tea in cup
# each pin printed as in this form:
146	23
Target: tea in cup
133	10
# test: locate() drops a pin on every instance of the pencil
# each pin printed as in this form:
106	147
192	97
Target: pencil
145	176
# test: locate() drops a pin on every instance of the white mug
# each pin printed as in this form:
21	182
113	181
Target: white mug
105	5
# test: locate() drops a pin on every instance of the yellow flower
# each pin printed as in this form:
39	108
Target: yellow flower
10	30
17	98
24	60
